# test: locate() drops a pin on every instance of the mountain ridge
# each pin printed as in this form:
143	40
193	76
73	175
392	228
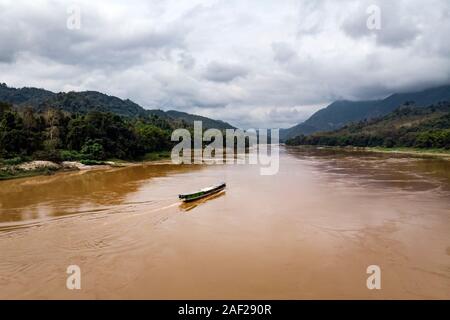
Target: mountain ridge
85	101
342	112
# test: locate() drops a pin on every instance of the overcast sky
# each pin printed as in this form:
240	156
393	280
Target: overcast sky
253	63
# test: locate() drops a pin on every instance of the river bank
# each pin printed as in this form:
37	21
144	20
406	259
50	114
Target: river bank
413	151
440	153
43	167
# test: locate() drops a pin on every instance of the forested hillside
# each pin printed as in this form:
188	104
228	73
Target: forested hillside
407	126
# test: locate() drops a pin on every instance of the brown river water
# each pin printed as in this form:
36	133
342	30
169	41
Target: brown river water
308	232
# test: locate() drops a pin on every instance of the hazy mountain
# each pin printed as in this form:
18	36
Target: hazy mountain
340	113
83	102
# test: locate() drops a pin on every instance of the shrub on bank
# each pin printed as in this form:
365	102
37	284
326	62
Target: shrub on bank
49	155
13	161
88	162
71	155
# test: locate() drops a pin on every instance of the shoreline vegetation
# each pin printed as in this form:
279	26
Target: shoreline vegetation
36	143
48	139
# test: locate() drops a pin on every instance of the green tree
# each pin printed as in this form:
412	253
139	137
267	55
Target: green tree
93	149
151	138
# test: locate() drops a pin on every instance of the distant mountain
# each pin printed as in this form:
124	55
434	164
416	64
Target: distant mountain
406	126
340	113
83	102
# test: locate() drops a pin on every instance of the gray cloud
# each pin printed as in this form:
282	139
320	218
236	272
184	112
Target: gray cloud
398	26
100	42
224	72
283	52
252	63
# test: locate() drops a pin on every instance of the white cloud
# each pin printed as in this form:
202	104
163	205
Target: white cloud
254	63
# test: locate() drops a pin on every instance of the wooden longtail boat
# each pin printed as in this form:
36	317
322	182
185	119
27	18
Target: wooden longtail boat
202	193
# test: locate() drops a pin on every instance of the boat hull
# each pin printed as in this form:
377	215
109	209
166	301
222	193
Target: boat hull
202	194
